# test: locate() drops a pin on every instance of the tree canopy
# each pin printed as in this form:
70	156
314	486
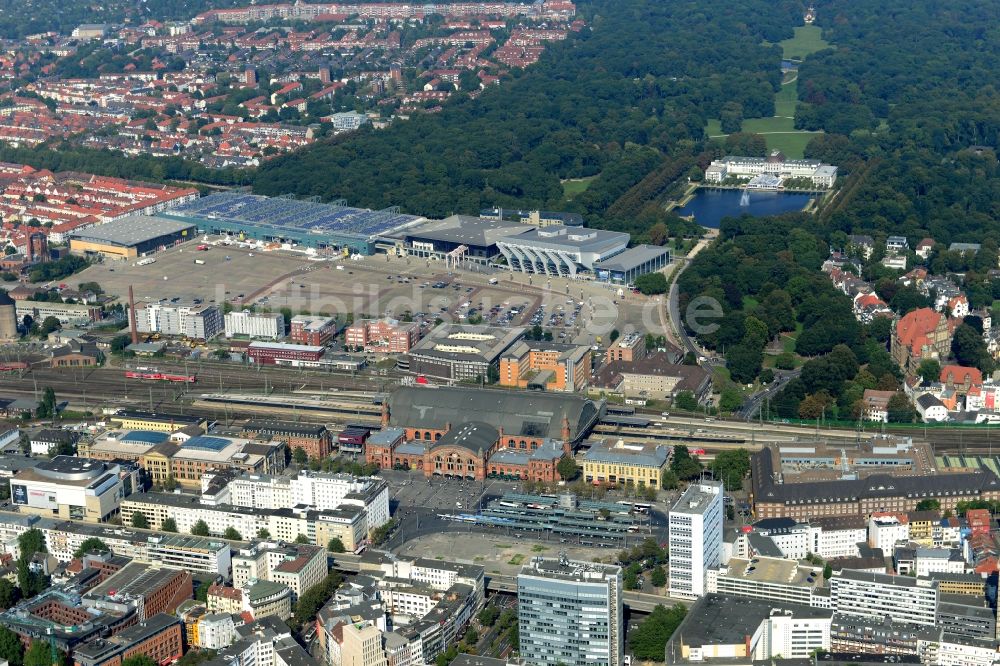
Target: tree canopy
567	468
91	545
731	467
683	464
649	639
625	100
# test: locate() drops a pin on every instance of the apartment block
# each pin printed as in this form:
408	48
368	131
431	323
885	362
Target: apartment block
387	336
901	598
313	331
296	566
264	325
194	321
182	551
548	366
316	490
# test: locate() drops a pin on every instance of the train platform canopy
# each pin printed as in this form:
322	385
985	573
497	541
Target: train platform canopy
516	413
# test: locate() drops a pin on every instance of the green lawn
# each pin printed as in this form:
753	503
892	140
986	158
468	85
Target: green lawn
787	99
780	134
768	125
573	187
780	131
792	145
788	339
808	39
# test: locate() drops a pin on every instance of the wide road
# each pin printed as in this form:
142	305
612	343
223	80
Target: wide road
673	307
749	409
642	602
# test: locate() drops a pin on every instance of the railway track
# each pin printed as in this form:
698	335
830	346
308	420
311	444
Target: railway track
95	388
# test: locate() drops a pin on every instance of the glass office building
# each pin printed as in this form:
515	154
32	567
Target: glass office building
570	612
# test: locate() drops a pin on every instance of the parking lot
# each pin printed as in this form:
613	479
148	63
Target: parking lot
576	311
498	554
175	274
412	490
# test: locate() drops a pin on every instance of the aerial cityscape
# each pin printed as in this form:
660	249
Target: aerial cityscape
499	333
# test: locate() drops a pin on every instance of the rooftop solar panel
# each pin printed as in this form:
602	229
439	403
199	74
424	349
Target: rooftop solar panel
207	443
145	437
293	214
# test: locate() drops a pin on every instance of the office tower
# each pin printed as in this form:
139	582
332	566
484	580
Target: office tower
570	613
695	541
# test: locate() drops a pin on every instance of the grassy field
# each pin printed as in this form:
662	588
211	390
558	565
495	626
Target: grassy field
780	134
808	39
788	339
780	131
573	187
787	99
768	125
792	145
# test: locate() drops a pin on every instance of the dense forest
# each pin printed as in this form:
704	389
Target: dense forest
625	99
907	100
910	87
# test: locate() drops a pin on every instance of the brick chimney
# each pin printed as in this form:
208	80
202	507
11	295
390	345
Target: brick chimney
131	312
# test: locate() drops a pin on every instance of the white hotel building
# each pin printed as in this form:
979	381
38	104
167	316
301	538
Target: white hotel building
776	164
695	538
263	325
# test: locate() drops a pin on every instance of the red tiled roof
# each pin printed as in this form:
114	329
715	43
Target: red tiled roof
960	375
914	329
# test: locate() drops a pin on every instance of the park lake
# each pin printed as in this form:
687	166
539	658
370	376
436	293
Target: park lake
709	206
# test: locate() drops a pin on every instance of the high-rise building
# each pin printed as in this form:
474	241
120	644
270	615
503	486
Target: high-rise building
250	78
570	613
695	538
